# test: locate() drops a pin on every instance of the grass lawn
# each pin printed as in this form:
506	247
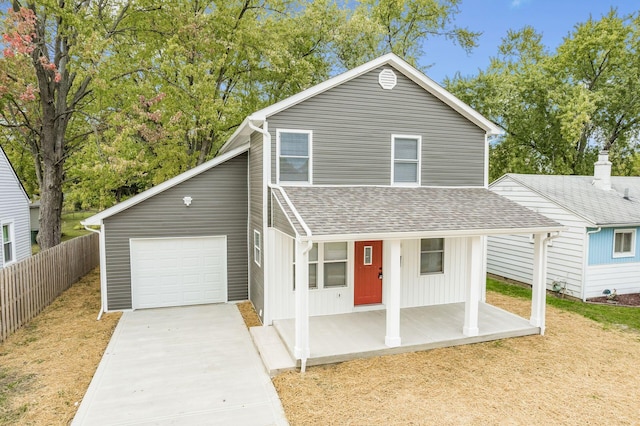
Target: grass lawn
580	372
618	316
71	227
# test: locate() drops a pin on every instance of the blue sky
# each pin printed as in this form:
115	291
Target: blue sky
553	18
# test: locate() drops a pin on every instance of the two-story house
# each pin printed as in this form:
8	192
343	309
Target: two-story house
15	242
364	194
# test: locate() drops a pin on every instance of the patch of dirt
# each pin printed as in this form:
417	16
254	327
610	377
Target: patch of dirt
620	299
249	315
577	373
49	363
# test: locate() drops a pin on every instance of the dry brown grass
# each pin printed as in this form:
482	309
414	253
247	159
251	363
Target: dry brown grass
578	373
251	318
46	367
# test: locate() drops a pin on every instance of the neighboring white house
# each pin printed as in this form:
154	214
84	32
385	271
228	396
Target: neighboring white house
14	215
599	250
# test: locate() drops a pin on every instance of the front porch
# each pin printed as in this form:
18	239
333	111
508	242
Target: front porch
343	337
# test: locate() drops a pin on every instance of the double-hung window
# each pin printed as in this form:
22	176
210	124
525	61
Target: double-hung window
294	156
327	265
624	243
431	256
8	246
405	168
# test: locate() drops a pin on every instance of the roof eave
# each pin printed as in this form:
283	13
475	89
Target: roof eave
432	234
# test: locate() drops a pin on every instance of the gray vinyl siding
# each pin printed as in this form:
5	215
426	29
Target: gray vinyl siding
352	126
280	221
219	208
14	208
256	291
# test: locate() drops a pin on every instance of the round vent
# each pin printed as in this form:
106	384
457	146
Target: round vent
387	79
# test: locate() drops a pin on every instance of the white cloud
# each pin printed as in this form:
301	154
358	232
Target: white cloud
517	3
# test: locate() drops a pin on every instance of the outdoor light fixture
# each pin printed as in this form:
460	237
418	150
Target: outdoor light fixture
187	201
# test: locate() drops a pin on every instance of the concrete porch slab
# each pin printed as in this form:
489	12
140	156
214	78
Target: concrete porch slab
338	338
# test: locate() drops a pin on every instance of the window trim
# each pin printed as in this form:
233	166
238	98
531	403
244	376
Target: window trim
309	181
257	247
364	256
621	254
444	242
418	162
12	240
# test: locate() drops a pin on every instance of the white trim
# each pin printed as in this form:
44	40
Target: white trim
274	198
309	133
98	218
257	248
430	234
10	224
441	272
418	138
293	210
364	256
622	254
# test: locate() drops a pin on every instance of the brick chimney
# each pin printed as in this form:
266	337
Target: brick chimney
602	171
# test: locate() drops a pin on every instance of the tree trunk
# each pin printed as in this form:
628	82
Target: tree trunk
51	205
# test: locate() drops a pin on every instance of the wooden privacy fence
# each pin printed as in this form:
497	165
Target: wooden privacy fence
29	286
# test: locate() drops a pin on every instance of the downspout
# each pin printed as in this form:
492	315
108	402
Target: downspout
102	271
586	262
266	170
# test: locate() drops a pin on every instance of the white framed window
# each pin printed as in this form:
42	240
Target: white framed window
367	256
8	243
431	256
294	151
257	247
624	243
405	159
328	265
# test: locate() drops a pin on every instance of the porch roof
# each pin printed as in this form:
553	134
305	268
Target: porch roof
363	211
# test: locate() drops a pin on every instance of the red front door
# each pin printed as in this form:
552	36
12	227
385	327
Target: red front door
368	273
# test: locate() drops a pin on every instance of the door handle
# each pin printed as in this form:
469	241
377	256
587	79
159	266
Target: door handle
380	274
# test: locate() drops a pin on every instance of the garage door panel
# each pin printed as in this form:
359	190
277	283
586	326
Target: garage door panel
178	271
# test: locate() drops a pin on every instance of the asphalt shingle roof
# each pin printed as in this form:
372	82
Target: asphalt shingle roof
579	195
341	210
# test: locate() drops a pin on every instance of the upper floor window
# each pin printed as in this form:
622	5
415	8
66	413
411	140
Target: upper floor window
7	243
405	152
431	256
294	156
624	243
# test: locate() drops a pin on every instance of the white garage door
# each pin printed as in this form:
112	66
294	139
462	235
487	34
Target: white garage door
178	271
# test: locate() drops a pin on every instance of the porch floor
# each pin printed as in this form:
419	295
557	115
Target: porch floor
338	338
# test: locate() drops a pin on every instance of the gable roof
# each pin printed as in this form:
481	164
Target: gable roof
98	218
12	172
370	211
389	59
578	195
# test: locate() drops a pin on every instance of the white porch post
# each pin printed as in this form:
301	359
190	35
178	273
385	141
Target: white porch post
301	347
474	285
392	281
539	284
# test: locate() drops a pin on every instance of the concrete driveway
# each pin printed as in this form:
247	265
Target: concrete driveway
191	365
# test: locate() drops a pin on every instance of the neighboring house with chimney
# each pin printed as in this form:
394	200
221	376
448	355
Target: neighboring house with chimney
598	251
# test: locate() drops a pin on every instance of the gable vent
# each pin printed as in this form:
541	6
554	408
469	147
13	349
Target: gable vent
387	79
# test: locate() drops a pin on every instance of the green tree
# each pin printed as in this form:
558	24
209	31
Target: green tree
559	109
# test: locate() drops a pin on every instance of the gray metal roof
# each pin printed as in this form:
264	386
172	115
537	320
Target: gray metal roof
340	210
578	195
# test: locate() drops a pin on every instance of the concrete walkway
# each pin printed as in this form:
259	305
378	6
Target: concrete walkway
191	365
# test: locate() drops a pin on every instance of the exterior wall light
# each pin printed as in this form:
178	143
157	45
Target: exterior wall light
187	201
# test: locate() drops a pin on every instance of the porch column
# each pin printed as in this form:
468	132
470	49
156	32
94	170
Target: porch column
539	284
301	346
474	285
392	281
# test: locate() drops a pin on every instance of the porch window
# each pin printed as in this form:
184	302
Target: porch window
624	242
7	243
257	247
327	266
335	264
294	156
431	256
405	168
